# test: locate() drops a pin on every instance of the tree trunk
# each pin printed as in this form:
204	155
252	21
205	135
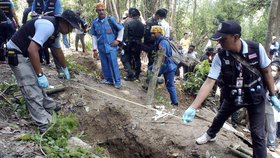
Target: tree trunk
115	10
172	22
277	27
193	17
149	8
271	23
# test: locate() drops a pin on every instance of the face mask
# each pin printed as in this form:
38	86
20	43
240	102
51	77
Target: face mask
160	20
274	74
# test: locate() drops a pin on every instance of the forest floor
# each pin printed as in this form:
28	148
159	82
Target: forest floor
119	120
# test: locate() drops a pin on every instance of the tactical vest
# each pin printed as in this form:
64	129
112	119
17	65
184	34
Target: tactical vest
23	38
5	5
39	6
50	7
253	86
147	32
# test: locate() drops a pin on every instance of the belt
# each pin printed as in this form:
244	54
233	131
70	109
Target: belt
13	51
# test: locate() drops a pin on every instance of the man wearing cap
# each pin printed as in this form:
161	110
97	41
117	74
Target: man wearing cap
106	35
243	85
168	67
23	58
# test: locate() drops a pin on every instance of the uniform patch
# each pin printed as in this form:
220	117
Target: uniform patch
252	56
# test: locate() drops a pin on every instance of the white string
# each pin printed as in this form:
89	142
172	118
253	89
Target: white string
138	104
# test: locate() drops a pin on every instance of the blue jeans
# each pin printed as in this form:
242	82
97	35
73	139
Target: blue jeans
65	41
110	67
170	86
270	127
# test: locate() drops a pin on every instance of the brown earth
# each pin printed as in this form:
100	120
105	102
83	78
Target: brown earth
119	120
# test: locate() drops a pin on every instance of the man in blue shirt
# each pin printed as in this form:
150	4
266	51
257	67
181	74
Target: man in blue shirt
106	35
168	67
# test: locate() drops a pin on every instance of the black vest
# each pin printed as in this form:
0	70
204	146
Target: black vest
39	6
5	5
23	36
50	7
147	32
253	86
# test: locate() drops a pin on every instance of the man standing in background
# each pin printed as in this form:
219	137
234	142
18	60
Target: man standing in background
106	35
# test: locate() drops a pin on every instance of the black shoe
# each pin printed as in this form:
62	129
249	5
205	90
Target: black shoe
57	109
127	78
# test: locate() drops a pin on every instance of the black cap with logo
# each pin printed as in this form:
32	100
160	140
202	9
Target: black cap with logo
229	27
71	17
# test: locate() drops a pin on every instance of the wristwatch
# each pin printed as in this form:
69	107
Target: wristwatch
40	74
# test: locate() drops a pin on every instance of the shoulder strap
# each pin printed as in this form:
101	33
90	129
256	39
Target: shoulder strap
245	63
111	25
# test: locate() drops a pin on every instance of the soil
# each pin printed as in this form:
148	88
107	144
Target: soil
119	120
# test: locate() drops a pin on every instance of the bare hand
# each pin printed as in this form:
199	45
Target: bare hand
115	43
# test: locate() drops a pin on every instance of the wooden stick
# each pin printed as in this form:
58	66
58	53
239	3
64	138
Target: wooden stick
238	153
57	89
153	80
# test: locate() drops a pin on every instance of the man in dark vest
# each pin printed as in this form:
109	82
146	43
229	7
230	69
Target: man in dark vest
26	11
148	45
46	7
8	8
133	33
244	67
23	58
6	28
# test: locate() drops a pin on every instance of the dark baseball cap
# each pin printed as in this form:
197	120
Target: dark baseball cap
229	27
71	17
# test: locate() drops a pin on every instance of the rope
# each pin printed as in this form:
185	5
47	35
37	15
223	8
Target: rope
120	98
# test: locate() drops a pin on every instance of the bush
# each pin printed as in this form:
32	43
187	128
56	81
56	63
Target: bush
195	79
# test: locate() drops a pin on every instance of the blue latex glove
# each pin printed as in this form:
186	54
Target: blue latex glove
43	82
275	102
66	72
189	115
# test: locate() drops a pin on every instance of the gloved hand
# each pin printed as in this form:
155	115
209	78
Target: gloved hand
43	82
189	115
66	72
275	102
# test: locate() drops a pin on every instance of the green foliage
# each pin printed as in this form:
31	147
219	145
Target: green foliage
196	78
55	140
75	67
9	89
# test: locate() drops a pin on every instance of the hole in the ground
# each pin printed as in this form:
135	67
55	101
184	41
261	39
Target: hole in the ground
113	128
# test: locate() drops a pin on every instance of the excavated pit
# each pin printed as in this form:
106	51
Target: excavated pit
114	129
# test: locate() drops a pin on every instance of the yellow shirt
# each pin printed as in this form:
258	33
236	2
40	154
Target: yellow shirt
185	43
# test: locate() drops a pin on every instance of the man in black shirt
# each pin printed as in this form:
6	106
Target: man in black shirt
133	33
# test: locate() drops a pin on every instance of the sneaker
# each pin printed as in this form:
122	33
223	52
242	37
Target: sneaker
118	86
271	148
127	78
106	82
204	139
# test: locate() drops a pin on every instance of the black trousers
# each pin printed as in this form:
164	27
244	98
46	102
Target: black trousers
44	54
132	52
257	125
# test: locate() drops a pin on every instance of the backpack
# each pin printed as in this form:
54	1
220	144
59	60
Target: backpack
177	56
